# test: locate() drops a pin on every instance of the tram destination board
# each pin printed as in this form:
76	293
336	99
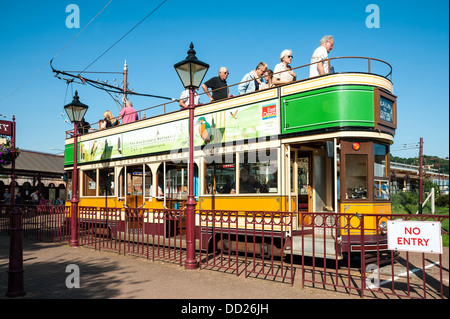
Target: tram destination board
386	107
385	111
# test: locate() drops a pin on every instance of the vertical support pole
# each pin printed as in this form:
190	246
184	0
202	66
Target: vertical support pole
13	163
191	262
125	83
420	175
73	242
15	272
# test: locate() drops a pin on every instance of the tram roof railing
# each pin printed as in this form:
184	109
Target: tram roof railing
164	106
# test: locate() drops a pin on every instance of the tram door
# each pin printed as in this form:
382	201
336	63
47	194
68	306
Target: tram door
315	180
136	185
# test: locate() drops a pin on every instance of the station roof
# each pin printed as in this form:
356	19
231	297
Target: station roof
36	163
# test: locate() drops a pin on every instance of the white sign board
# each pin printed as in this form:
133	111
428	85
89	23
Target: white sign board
414	236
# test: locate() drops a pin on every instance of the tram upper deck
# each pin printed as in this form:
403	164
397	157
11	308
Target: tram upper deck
265	150
339	102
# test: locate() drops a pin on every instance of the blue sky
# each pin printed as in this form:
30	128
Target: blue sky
413	37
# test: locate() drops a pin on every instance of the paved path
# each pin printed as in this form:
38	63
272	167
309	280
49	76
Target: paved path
107	275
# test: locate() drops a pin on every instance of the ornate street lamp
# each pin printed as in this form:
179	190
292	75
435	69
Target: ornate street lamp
75	111
191	72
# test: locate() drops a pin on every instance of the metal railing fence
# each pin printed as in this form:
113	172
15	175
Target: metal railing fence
339	252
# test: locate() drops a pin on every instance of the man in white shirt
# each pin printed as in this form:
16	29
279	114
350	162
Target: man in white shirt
321	54
184	99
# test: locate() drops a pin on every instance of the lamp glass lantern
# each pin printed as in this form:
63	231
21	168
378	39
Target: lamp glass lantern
191	70
76	110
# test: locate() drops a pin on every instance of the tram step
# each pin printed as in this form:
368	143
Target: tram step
319	246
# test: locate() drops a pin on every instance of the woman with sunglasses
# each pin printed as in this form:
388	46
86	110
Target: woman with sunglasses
283	74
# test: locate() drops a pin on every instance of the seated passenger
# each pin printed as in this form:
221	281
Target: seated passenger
83	127
283	73
251	81
226	189
268	80
245	184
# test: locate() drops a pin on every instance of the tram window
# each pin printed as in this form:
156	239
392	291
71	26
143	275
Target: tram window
90	183
380	153
134	185
303	175
258	172
148	182
176	181
106	181
68	179
381	183
134	182
356	176
220	176
381	190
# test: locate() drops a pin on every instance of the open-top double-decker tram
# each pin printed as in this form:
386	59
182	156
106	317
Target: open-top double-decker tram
316	145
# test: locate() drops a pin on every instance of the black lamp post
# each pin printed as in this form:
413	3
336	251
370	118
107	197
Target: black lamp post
75	111
191	72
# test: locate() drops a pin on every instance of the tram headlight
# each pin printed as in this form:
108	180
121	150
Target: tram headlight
383	227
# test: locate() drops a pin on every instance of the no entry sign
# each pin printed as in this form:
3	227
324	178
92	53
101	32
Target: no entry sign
417	236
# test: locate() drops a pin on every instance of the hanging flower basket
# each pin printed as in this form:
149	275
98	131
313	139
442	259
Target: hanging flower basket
7	154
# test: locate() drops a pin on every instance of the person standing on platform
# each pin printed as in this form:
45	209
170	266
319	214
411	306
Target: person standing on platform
128	114
218	85
320	56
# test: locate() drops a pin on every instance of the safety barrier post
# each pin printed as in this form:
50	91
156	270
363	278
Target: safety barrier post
15	272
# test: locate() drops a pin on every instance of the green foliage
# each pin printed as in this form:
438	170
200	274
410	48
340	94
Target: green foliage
408	203
442	200
428	185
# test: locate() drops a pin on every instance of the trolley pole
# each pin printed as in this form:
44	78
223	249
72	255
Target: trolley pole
420	175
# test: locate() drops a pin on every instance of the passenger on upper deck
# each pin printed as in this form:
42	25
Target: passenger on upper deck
247	85
287	76
268	78
128	114
217	82
109	120
83	127
321	54
184	98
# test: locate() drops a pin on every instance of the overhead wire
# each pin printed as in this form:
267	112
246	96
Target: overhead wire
103	86
40	70
101	55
